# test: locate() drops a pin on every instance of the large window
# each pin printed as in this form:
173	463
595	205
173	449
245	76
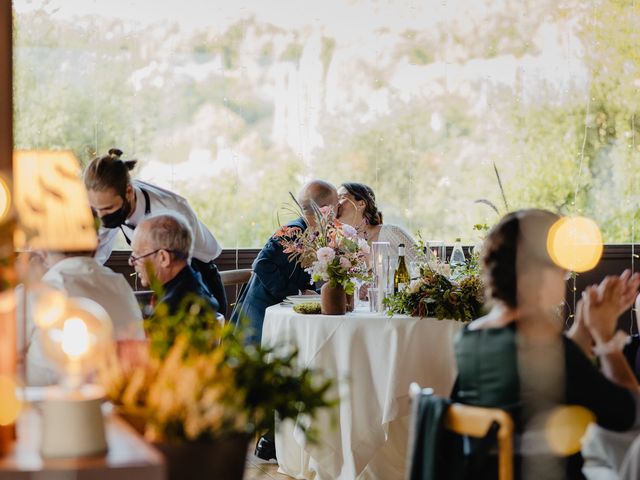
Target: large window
234	104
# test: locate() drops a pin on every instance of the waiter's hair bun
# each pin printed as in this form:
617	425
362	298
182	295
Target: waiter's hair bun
116	153
109	171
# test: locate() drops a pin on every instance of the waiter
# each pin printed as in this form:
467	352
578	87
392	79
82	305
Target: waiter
121	203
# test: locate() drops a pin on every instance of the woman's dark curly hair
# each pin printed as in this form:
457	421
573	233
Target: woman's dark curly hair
519	240
363	192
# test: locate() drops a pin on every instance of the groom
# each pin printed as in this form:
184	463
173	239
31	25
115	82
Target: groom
274	278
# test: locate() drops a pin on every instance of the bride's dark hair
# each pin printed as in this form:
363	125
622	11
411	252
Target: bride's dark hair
363	192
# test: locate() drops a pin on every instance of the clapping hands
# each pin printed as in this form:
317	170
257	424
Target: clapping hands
603	304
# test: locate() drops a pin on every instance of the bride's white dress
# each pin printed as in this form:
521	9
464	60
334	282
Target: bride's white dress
395	236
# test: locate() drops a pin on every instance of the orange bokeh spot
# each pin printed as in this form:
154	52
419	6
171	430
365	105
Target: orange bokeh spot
565	428
5	199
10	404
575	243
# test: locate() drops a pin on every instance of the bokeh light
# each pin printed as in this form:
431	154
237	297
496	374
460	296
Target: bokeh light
575	243
50	306
10	404
565	428
5	199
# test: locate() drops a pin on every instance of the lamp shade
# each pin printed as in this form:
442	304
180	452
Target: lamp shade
51	202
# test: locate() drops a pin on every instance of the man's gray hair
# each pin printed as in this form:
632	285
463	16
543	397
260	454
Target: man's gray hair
170	231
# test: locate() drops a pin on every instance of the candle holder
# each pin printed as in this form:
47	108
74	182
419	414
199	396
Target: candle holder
381	259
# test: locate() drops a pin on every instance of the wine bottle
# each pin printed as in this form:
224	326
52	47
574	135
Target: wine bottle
401	277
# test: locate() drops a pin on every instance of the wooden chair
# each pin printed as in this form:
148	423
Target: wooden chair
234	282
476	421
473	422
235	277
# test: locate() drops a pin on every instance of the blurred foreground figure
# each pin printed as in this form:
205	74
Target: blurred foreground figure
517	359
77	274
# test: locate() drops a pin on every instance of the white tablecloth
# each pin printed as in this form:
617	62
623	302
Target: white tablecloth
375	358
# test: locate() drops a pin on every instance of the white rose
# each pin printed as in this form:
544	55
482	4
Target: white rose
414	286
325	254
363	246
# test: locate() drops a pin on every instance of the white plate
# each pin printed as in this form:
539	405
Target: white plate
295	299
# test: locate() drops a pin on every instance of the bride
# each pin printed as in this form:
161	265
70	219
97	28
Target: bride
357	207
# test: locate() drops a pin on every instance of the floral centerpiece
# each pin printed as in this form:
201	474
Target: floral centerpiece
330	251
441	292
200	393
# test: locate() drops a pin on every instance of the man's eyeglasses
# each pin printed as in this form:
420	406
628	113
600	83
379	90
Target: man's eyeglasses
133	259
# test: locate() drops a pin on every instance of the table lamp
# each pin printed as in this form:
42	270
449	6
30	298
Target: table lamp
52	203
54	215
74	334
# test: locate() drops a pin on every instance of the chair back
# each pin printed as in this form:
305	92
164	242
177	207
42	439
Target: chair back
476	422
235	277
464	420
234	281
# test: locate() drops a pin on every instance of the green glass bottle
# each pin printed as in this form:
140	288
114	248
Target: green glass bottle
401	277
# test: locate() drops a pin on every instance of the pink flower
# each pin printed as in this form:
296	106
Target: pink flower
325	254
345	263
326	210
349	231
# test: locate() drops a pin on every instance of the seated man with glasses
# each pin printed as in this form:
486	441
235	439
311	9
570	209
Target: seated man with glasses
162	246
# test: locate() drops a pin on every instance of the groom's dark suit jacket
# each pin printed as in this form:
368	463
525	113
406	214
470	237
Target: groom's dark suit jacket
274	278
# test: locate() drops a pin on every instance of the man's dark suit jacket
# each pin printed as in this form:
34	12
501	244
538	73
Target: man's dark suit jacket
186	282
274	278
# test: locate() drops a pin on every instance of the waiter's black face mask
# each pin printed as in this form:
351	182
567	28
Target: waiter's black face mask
117	218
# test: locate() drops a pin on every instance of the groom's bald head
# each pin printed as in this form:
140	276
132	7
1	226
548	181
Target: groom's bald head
317	192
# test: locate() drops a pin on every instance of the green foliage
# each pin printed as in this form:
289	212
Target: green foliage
193	319
307	308
93	83
435	295
293	53
270	379
328	48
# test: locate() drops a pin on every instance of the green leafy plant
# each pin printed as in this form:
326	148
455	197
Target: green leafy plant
437	295
198	381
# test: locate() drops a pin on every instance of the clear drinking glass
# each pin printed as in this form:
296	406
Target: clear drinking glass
414	269
374	299
380	252
360	292
436	249
380	262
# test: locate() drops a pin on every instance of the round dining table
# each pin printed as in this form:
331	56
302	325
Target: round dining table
373	359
